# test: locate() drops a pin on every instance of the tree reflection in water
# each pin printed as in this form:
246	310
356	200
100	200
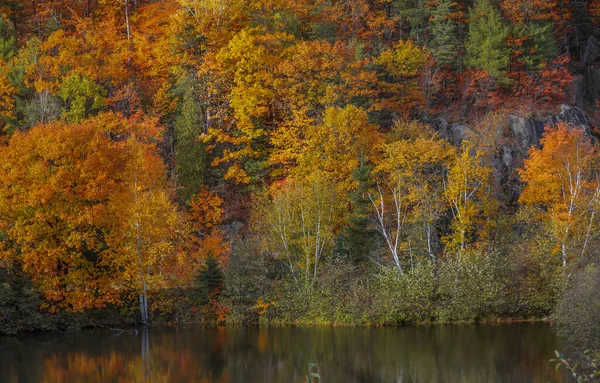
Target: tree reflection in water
505	353
146	355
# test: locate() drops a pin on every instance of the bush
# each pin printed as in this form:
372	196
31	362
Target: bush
406	299
472	289
246	280
20	307
578	312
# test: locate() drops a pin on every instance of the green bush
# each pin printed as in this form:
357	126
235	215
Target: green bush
578	312
20	307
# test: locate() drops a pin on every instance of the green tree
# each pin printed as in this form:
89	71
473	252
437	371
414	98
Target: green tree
444	42
19	302
486	42
191	159
358	238
8	45
81	96
209	281
538	44
415	13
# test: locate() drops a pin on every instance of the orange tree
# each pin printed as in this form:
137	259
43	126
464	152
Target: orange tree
562	187
87	212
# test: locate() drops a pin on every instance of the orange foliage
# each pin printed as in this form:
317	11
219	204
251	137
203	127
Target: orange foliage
562	183
520	11
206	216
86	204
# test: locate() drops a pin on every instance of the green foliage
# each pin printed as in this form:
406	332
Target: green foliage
8	44
19	303
246	279
486	43
81	96
404	300
358	238
584	368
539	45
417	15
191	159
208	281
483	288
471	289
20	307
578	312
444	42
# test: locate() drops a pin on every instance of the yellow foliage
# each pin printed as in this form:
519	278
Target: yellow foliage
465	191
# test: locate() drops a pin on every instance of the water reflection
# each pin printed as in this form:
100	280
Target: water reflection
506	353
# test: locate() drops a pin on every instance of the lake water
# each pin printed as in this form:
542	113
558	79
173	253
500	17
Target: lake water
484	353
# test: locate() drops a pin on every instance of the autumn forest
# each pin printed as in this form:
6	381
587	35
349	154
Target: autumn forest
357	162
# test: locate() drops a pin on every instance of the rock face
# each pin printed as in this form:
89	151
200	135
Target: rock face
587	87
458	133
524	132
520	135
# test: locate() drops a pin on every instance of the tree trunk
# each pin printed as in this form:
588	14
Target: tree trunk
144	305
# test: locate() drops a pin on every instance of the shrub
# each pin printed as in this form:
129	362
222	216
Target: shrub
578	312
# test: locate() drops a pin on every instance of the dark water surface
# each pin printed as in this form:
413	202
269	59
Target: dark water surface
485	353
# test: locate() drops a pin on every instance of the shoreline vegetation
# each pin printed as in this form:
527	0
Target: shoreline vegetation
241	162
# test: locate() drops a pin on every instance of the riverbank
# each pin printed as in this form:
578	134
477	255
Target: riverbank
473	291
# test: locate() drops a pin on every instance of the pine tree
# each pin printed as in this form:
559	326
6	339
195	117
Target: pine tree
191	159
415	12
358	238
444	42
539	43
208	281
486	42
8	45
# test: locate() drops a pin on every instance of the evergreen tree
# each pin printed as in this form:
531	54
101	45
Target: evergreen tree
8	45
415	12
191	158
539	45
486	42
358	237
585	33
444	41
209	281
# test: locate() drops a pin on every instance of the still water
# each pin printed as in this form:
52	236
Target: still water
486	353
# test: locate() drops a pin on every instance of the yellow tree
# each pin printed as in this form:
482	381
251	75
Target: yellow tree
245	65
410	173
310	78
465	191
562	184
337	145
298	224
146	221
400	69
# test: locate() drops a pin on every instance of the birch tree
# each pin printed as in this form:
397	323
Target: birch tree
300	224
408	192
562	185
